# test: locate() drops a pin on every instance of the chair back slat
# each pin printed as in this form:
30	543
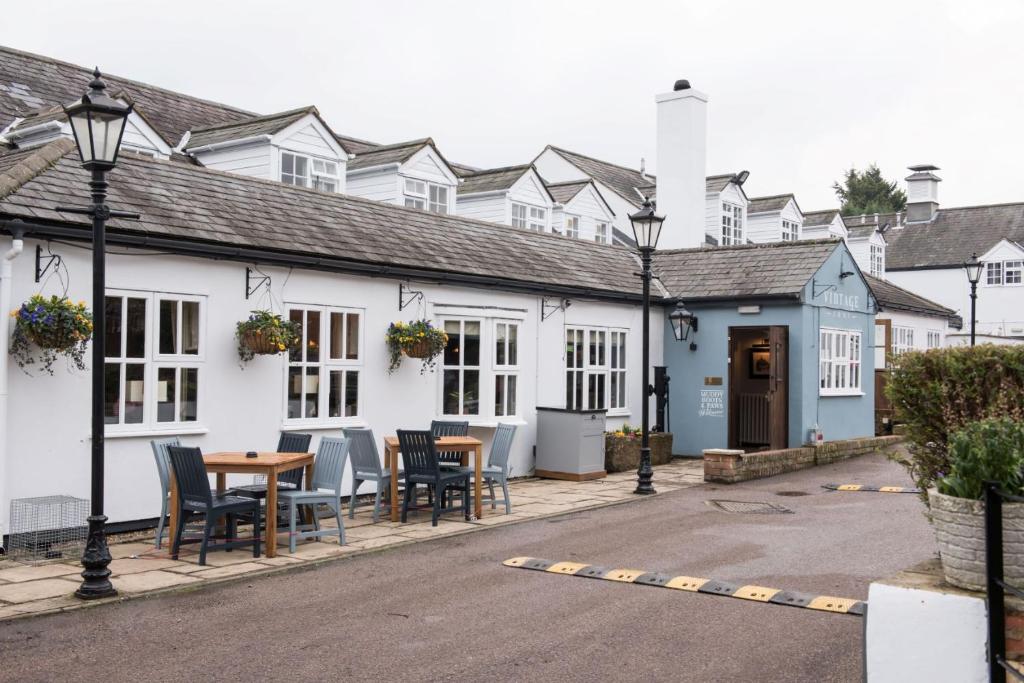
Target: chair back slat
418	453
293	442
190	473
163	459
329	464
449	428
502	446
362	450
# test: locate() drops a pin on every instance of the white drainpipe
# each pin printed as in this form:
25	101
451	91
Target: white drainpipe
17	246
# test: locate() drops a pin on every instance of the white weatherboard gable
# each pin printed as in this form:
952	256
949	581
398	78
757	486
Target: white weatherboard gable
766	226
733	194
309	136
427	164
555	168
138	136
530	190
589	206
1004	250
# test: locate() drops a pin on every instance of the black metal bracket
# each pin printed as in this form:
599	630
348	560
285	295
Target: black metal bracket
260	281
91	211
52	260
547	310
815	292
406	295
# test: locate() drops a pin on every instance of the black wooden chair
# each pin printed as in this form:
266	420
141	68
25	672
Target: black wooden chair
423	467
445	428
195	497
290	442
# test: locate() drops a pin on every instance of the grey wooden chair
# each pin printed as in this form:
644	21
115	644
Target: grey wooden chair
163	469
496	470
366	466
328	470
195	497
423	467
289	442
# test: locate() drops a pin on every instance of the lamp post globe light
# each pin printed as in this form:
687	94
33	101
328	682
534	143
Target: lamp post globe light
973	268
646	230
98	122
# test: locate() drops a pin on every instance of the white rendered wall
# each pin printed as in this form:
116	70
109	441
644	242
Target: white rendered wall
1000	309
922	635
48	434
682	151
920	324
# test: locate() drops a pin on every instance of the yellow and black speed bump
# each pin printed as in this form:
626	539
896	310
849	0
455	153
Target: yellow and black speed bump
872	489
824	603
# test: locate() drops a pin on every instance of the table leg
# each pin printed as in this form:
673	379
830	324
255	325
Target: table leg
392	457
478	508
272	513
173	521
222	483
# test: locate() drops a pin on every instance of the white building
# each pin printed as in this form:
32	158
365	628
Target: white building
908	322
774	219
822	224
412	174
580	211
513	195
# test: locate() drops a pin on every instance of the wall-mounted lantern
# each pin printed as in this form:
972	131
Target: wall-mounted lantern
682	322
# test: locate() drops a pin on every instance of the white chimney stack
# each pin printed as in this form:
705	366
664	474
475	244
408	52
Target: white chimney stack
682	152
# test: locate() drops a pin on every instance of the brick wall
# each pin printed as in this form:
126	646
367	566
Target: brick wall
730	466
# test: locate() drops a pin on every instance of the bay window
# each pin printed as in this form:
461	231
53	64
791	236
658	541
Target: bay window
153	358
323	372
594	363
460	383
839	370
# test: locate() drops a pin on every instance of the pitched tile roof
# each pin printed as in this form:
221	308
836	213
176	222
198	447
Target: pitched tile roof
764	204
388	154
821	218
199	204
564	192
953	235
780	269
717	183
492	179
247	127
355	145
31	82
623	181
890	297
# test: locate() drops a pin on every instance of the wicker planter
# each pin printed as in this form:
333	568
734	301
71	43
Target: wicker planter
622	453
420	349
55	339
960	534
260	344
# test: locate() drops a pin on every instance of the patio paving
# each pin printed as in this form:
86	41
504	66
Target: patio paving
139	569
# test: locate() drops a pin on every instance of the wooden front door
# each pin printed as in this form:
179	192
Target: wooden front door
778	387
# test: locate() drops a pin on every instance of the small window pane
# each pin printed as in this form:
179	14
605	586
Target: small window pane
111	393
453	349
312	336
472	342
513	351
510	406
169	329
189	395
136	323
113	327
135	392
334	395
499	395
351	393
451	392
337	332
294	393
190	327
312	393
165	393
500	339
471	392
352	336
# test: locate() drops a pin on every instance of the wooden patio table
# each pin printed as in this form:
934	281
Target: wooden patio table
451	444
269	464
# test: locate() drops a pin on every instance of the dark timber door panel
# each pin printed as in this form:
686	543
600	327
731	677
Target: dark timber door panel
778	387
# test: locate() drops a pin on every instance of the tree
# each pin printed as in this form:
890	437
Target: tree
868	192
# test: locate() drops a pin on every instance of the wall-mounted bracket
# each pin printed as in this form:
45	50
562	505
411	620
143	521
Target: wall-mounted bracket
547	310
815	292
406	295
255	280
52	261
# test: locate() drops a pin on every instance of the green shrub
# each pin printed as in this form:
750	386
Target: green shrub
939	392
990	450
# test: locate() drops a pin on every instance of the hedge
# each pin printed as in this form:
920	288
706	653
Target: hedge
937	393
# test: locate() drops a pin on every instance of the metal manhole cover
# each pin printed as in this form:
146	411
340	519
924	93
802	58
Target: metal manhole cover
792	493
748	508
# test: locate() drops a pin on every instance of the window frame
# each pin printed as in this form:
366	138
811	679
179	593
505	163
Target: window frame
326	365
601	232
311	177
506	369
536	218
876	256
1015	267
839	372
935	335
993	268
790	230
462	367
152	361
732	224
572	226
902	339
519	221
599	370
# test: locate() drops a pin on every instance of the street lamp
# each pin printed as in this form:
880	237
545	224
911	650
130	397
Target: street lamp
98	122
973	268
646	230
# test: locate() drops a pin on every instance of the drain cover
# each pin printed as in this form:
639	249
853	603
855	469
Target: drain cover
792	493
748	508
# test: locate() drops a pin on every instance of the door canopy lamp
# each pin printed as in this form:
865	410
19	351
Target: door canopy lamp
682	322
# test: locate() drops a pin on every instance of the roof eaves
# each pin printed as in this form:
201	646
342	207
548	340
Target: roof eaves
32	164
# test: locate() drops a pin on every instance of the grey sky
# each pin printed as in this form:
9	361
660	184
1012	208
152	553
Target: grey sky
799	90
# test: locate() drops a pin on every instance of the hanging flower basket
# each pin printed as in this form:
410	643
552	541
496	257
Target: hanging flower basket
416	339
266	334
48	327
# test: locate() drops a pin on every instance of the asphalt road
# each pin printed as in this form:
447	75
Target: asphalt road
448	610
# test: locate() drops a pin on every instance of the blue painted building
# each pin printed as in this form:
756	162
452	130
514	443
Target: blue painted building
782	347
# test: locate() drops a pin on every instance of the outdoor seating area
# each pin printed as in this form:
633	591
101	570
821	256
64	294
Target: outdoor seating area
140	568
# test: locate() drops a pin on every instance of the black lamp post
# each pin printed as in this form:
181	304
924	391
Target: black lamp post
973	268
646	230
98	123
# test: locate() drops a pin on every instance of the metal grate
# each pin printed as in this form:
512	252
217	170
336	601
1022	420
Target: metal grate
748	508
48	528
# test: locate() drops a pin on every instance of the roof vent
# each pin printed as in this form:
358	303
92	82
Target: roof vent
681	84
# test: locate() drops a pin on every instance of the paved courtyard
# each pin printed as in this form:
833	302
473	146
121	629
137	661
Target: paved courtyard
446	609
139	568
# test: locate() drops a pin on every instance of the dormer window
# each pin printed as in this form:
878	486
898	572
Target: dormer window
420	194
790	231
877	260
572	226
529	217
732	224
303	171
601	233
